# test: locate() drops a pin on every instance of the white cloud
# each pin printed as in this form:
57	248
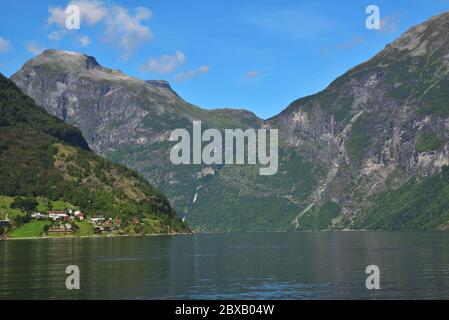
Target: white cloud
252	74
84	41
91	12
124	29
57	16
164	63
4	45
182	76
354	42
389	23
343	46
56	35
34	48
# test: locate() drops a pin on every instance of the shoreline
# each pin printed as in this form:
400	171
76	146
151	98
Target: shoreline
95	236
193	233
205	233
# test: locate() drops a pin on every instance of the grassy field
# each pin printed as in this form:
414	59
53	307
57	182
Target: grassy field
85	229
28	230
45	205
5	207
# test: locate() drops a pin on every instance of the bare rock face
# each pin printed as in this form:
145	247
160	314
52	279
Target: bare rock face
375	129
105	104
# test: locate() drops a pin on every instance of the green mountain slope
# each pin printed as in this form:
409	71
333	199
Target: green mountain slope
17	109
41	156
417	205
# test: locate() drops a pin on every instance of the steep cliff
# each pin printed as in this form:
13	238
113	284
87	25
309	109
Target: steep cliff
378	126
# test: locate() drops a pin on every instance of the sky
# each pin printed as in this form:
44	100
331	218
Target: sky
259	55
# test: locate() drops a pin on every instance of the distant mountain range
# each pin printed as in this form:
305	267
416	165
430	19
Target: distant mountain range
368	152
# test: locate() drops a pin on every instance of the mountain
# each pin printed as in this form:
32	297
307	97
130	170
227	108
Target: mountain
41	156
125	119
360	154
378	131
18	109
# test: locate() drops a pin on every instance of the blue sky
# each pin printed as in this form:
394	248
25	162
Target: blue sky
254	54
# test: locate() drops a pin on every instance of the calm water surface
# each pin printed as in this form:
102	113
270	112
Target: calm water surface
316	265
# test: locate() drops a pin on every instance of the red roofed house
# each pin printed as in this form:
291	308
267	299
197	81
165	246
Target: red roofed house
79	215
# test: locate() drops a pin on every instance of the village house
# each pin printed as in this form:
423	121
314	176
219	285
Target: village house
98	230
67	228
79	215
97	219
102	224
5	221
58	215
38	216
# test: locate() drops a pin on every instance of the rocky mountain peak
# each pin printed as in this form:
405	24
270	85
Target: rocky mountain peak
68	58
74	63
425	38
163	84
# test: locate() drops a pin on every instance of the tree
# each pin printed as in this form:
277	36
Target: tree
27	204
49	205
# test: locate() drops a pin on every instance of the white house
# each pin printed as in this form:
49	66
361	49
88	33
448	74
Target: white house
97	219
5	221
38	215
57	215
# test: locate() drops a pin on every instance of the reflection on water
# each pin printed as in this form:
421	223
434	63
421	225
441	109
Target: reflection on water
316	265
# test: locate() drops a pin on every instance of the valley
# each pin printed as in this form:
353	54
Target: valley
379	128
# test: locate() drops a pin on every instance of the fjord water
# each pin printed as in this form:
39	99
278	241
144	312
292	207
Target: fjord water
315	265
